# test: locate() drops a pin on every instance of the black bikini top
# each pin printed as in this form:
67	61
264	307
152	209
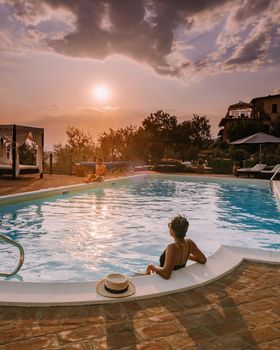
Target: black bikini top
176	267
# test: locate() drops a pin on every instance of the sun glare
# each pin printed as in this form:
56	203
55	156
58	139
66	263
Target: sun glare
101	92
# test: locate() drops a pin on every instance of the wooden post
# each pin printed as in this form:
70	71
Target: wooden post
14	151
71	160
50	163
42	172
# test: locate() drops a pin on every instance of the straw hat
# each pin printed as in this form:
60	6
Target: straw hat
115	285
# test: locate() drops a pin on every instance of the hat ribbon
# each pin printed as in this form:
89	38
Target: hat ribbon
116	291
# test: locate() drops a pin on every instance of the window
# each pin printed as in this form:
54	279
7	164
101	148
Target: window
274	108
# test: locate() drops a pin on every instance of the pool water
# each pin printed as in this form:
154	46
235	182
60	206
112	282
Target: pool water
123	226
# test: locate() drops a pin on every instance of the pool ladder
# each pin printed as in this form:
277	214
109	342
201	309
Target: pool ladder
274	175
21	257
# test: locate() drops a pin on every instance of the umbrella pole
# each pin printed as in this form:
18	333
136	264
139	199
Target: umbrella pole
260	153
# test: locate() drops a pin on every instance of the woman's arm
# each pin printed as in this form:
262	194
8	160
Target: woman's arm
167	269
196	254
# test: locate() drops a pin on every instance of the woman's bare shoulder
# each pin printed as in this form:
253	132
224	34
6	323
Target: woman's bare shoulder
172	245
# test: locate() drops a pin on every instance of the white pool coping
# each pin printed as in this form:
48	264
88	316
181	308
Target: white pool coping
54	191
48	192
225	260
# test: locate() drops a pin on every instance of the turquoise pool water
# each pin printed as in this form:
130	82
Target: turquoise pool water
123	227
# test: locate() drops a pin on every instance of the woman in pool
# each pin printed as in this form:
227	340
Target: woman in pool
177	253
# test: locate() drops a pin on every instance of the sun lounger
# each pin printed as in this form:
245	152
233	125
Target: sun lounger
251	171
266	173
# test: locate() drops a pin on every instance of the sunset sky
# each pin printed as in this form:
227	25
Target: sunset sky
97	64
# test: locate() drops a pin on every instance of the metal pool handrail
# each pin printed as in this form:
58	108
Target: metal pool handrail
21	257
276	172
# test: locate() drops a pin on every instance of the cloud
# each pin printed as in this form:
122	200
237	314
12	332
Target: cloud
249	41
251	9
276	91
173	37
92	121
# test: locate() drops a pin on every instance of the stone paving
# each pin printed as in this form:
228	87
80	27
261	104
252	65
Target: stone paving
238	311
25	183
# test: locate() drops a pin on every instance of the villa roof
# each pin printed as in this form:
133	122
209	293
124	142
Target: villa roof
240	105
264	97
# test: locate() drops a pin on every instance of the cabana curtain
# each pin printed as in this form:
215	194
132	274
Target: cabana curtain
22	133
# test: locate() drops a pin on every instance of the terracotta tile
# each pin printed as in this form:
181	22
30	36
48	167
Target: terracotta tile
199	309
34	344
272	345
261	318
262	334
275	300
169	303
229	341
8	315
94	314
80	346
114	312
50	316
115	341
14	334
154	345
39	331
118	327
152	306
159	330
80	334
228	326
190	338
197	320
259	305
141	322
167	316
132	307
231	310
74	314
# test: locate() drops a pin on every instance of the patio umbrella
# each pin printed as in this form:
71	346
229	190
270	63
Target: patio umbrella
258	138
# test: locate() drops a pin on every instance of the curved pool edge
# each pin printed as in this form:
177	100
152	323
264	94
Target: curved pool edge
222	262
53	191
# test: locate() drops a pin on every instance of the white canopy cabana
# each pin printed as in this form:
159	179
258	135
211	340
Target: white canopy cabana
14	136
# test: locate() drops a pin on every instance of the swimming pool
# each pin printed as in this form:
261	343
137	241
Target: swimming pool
122	226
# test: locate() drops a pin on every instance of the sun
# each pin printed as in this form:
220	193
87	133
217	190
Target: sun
101	92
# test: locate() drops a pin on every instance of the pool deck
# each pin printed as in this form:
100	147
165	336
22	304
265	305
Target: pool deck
26	183
238	311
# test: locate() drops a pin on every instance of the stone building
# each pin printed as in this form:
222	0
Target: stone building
264	111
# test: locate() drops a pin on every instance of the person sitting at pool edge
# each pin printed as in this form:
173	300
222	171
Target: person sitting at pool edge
100	170
177	253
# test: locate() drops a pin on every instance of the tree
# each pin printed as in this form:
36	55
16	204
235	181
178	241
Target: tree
27	153
243	127
158	131
200	134
79	147
191	136
118	144
160	124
